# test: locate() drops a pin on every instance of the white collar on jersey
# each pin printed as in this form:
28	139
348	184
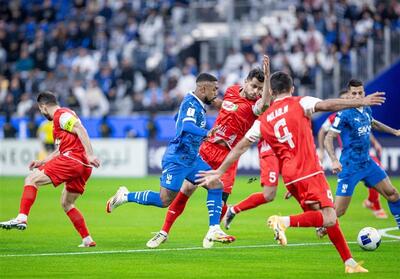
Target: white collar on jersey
200	101
360	109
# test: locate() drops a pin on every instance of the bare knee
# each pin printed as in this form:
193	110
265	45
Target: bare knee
67	206
329	217
31	179
188	189
269	193
393	195
215	185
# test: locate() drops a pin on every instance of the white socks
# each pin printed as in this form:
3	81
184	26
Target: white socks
286	221
22	217
350	262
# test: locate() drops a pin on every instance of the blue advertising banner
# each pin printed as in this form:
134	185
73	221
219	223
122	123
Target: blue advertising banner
249	164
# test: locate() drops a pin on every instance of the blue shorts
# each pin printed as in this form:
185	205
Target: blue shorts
371	174
174	174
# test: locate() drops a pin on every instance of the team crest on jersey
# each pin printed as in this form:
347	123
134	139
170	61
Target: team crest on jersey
169	179
229	106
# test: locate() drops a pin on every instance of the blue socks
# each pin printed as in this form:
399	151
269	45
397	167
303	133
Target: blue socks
395	210
214	205
145	198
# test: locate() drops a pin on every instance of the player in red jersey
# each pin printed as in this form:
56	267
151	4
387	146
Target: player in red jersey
240	107
269	174
286	125
372	202
71	162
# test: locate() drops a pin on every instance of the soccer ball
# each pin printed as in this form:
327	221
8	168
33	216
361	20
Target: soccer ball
369	239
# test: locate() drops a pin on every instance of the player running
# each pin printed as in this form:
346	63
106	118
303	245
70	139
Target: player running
240	108
354	127
286	125
372	202
182	160
71	162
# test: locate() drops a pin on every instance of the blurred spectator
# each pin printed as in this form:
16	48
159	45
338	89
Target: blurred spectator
105	128
9	130
96	100
25	105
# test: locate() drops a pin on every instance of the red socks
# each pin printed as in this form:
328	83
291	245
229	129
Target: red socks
336	236
250	202
223	211
27	199
79	222
174	210
373	197
307	219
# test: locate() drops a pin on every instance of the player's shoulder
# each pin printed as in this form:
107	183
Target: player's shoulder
232	91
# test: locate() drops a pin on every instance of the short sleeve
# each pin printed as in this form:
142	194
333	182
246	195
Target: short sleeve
308	104
254	133
67	121
338	123
326	125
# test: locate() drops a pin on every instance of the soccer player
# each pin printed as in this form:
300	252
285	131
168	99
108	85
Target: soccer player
71	162
182	160
372	202
286	125
269	174
355	165
240	108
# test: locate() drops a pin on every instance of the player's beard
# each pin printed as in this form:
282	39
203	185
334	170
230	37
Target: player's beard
48	116
209	102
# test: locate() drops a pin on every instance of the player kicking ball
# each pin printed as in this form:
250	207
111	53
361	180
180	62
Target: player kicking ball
286	125
71	162
182	161
355	165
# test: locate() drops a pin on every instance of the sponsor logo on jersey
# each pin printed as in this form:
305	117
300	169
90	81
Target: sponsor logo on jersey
229	106
364	130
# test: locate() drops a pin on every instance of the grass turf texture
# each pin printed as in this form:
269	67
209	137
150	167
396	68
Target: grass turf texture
130	226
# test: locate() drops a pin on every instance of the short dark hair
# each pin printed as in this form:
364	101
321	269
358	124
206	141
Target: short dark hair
256	73
46	98
205	77
343	91
281	82
354	83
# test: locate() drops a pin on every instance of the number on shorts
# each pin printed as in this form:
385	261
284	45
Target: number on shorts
329	194
272	177
287	136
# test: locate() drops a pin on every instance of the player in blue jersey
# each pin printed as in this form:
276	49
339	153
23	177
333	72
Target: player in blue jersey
355	165
182	160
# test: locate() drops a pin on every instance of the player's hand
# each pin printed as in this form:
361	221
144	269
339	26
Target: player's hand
266	66
94	161
206	178
397	133
336	166
287	195
213	131
35	164
375	99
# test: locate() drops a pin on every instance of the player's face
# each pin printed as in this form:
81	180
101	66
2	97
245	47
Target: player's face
210	92
356	92
253	89
45	113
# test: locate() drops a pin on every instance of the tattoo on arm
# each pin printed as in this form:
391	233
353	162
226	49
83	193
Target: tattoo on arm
329	145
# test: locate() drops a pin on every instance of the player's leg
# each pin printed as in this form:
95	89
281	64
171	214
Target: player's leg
35	179
374	204
269	167
171	180
228	180
68	204
391	194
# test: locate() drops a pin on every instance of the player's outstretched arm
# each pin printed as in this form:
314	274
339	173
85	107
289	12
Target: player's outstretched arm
379	126
82	134
375	99
207	177
336	166
266	97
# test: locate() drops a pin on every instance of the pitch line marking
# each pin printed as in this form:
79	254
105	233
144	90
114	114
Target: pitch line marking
382	232
172	249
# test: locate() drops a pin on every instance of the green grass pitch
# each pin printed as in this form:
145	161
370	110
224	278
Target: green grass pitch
122	235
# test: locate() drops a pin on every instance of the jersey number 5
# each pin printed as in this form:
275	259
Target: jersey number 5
287	136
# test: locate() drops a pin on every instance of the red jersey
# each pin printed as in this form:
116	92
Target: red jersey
64	120
235	117
286	125
328	123
264	149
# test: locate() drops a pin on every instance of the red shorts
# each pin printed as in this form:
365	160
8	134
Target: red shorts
63	169
269	167
314	189
214	154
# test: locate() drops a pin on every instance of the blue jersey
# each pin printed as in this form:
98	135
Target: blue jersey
184	148
354	126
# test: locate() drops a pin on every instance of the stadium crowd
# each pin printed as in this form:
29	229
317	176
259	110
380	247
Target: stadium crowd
120	57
